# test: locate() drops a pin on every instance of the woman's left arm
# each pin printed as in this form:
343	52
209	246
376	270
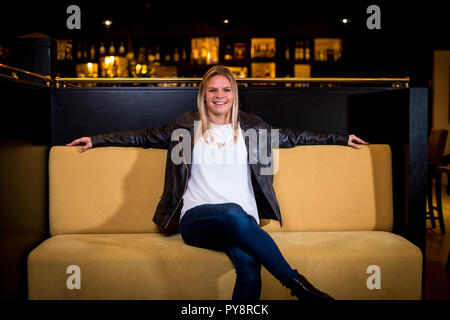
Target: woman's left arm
289	138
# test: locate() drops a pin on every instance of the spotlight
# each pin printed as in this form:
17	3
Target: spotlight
107	23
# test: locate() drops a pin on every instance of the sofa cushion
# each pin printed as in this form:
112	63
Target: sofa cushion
150	266
334	188
116	190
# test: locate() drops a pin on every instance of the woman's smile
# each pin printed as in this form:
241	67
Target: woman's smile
219	99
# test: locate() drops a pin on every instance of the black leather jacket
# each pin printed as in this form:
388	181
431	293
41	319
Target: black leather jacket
177	175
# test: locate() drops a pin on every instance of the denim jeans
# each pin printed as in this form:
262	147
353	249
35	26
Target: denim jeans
229	228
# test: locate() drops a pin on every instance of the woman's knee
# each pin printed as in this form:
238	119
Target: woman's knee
236	214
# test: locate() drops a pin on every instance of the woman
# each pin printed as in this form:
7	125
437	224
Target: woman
217	199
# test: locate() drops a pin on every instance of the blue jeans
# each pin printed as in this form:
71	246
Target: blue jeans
229	228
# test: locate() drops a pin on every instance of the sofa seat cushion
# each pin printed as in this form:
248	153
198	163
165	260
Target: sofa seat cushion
162	266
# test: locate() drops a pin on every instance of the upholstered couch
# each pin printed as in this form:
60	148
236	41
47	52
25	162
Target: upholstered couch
336	204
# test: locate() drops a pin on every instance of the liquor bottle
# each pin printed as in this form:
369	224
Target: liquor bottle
112	49
183	54
79	54
85	51
287	54
150	55
272	52
141	55
102	49
92	52
122	49
307	51
69	52
301	51
167	56
228	55
297	51
157	54
176	55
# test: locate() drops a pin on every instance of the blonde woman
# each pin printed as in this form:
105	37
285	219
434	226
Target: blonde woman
218	192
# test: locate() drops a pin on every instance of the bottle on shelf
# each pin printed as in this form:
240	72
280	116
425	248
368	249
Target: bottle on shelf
85	51
92	52
330	55
184	54
307	51
69	52
102	49
176	55
287	54
122	49
157	55
167	57
297	51
141	55
112	49
79	54
228	56
301	51
150	55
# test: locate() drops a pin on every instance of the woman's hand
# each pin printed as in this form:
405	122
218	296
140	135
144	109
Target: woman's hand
85	142
352	139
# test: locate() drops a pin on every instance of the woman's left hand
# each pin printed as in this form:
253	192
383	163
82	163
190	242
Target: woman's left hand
352	139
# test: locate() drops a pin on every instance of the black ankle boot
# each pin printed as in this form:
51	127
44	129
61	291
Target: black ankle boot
303	290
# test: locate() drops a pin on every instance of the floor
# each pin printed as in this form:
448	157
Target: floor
437	280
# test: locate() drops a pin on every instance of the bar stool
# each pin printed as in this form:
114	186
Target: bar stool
439	171
436	146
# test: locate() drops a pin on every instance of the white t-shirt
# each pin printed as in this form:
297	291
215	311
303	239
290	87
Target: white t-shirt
220	172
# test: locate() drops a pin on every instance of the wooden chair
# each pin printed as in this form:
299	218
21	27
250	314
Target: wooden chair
436	147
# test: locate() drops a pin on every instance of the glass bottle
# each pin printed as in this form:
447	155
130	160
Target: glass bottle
102	49
122	49
112	49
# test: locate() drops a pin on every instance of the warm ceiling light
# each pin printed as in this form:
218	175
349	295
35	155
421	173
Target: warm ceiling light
107	23
345	21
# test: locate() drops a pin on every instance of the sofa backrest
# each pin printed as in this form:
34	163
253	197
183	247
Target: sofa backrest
319	188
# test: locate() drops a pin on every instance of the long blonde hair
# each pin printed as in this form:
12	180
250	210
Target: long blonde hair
203	108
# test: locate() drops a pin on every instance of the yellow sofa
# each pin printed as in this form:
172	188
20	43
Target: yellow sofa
336	204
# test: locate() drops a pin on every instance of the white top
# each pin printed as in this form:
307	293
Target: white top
220	172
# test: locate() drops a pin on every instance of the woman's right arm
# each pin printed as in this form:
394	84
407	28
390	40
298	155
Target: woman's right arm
145	138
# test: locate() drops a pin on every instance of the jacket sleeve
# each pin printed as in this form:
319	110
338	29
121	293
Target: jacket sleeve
289	138
145	138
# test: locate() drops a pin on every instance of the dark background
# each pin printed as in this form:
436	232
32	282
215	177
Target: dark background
410	31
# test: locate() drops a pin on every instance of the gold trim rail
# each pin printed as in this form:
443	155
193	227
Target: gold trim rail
15	76
58	81
239	80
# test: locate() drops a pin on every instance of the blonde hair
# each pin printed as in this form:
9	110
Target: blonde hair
203	108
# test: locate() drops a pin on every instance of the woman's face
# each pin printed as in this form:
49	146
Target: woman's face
219	99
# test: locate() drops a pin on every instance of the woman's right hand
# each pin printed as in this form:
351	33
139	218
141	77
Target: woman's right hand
85	142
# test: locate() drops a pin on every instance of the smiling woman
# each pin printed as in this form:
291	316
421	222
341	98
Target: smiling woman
218	205
218	100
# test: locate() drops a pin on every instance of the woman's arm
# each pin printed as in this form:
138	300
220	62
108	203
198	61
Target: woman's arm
145	138
289	138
